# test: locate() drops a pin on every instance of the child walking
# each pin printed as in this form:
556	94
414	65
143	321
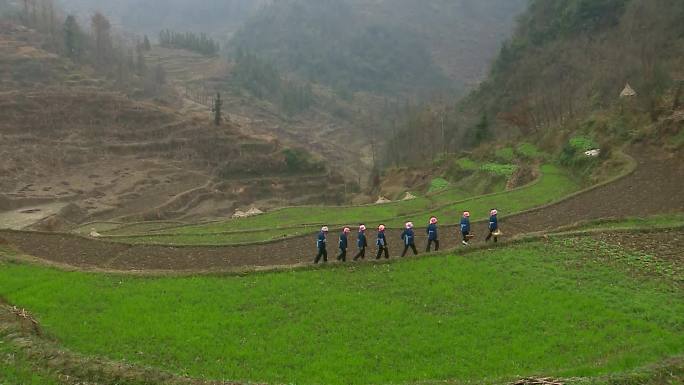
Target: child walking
321	244
409	238
344	241
465	228
361	243
383	247
432	235
493	226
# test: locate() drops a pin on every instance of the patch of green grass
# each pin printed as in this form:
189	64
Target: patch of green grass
438	184
467	164
449	195
529	151
536	308
505	170
582	143
553	185
505	154
312	215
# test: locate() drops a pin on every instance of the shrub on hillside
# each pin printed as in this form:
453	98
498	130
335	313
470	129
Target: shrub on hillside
529	151
462	168
582	143
467	164
298	160
573	155
438	184
505	154
505	170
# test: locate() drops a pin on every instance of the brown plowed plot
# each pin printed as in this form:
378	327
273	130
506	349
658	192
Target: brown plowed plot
654	188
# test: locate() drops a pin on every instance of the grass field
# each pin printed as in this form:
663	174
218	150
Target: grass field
553	185
548	308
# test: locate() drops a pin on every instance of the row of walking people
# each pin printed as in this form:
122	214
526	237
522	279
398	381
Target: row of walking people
408	238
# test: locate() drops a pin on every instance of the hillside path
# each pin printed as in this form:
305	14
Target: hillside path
654	188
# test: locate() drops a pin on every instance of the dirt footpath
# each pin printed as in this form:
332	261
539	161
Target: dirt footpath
654	188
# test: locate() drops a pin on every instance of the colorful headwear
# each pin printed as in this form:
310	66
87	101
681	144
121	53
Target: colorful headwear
346	230
466	214
381	228
433	220
494	212
409	225
362	228
325	229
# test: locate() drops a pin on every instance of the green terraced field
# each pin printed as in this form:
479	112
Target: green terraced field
491	316
553	185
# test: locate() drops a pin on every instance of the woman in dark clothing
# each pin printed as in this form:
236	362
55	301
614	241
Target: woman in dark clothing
433	236
344	241
465	228
409	238
493	226
382	244
361	243
321	244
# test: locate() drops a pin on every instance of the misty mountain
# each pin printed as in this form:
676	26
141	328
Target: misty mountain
395	45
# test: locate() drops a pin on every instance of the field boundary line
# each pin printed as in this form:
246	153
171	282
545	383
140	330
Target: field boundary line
306	266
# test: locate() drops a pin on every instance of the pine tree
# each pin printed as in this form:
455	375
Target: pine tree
218	103
481	130
146	43
103	40
159	76
141	66
73	43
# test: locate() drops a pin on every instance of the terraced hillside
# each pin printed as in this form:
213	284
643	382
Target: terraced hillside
69	137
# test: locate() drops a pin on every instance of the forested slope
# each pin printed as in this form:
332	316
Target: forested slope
381	46
562	74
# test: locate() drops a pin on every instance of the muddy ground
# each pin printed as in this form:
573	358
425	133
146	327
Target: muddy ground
654	188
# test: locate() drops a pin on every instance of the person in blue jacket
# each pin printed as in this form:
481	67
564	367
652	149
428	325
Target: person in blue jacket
493	226
409	238
383	246
465	228
343	244
321	244
433	236
361	243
